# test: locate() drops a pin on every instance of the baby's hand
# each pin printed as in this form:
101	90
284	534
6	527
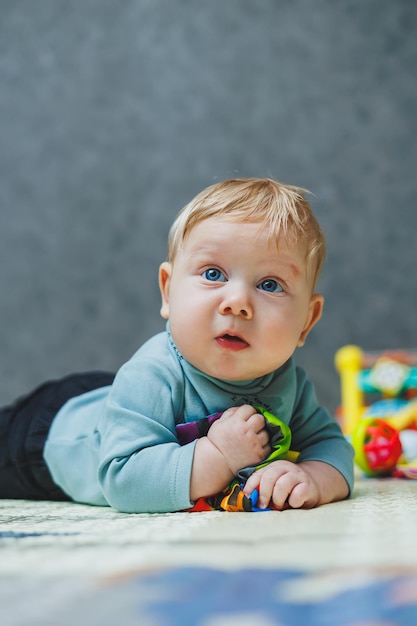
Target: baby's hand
241	437
282	484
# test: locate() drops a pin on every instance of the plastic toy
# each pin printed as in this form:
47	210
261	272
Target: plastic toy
378	384
377	446
383	450
233	497
379	409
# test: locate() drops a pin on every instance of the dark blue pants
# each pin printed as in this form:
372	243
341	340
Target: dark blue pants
24	427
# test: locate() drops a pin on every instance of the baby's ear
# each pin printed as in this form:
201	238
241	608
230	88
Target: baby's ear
315	310
165	270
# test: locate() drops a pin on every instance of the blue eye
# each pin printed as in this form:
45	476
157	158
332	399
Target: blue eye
214	275
270	285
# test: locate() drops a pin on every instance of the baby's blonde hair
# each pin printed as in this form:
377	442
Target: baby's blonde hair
283	209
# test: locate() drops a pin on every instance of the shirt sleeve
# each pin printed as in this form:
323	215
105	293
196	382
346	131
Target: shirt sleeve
317	435
142	468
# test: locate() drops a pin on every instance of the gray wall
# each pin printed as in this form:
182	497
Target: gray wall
113	114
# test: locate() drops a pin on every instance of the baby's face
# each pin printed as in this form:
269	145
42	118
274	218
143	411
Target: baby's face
238	304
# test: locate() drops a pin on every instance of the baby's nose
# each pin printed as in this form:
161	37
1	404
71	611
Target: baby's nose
236	301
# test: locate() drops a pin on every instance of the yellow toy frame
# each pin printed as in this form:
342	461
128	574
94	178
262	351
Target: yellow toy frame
388	374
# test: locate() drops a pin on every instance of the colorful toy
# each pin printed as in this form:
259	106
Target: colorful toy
379	409
377	446
233	497
382	450
381	384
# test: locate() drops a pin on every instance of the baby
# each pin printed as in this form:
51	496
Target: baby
238	294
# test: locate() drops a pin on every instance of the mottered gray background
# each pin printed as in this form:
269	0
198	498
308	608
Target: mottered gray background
114	114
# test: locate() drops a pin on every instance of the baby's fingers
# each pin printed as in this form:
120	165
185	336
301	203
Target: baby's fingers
264	482
280	484
276	487
294	489
300	496
252	482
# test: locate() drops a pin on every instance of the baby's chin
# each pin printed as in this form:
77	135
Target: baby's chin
226	375
233	370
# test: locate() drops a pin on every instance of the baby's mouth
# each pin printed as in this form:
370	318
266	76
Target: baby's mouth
231	342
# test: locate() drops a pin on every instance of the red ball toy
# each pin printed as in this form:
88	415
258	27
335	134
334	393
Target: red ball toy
377	446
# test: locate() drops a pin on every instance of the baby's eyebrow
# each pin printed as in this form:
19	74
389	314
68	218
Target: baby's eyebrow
206	245
295	261
204	251
295	269
287	263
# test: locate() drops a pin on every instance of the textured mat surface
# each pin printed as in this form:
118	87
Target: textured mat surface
66	563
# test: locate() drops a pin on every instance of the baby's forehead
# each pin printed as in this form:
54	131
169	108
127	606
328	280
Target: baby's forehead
216	234
212	228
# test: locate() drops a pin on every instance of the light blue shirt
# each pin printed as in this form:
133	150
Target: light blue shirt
117	445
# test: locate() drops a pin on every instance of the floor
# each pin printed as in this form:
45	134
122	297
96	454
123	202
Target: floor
349	563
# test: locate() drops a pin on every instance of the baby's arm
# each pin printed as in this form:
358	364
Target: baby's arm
298	485
237	439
